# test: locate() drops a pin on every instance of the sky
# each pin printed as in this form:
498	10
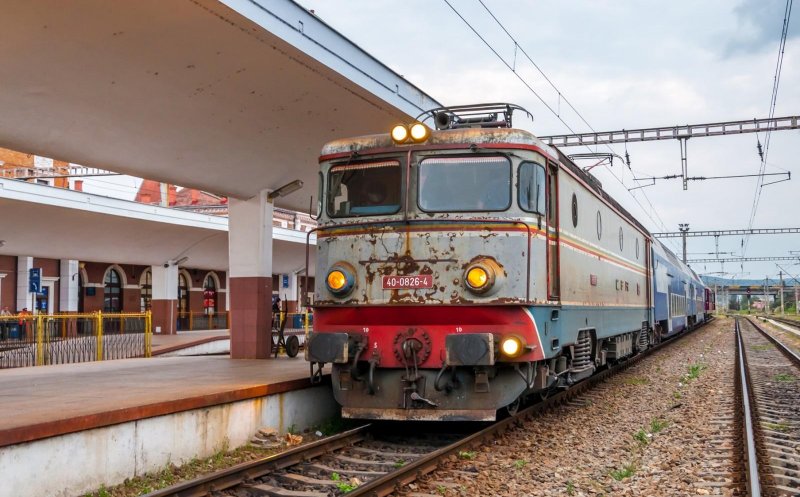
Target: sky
622	65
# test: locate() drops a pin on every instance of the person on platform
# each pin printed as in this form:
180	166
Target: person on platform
24	326
276	311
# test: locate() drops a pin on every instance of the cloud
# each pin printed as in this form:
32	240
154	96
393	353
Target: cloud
759	26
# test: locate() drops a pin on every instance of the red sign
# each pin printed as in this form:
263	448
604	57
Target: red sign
409	281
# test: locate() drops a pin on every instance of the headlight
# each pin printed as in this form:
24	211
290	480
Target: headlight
477	278
481	275
341	279
419	132
512	346
336	280
399	133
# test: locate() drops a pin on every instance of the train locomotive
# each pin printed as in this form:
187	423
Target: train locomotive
464	268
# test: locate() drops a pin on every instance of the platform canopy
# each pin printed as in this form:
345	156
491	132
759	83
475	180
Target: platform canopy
65	224
230	97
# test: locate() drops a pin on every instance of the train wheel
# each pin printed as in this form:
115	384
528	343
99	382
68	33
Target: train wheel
292	346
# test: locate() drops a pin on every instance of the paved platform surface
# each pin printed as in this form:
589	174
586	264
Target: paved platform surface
163	344
39	402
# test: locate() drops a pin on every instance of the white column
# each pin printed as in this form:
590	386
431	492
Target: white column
250	237
164	303
68	286
250	276
24	264
227	291
165	281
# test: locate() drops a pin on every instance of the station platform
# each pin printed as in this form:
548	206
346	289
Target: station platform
41	402
191	342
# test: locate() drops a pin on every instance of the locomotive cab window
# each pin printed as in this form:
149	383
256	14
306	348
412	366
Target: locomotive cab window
464	184
367	189
531	187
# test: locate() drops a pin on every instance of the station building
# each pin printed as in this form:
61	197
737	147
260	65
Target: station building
70	285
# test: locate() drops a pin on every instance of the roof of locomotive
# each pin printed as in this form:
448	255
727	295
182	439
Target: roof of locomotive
511	136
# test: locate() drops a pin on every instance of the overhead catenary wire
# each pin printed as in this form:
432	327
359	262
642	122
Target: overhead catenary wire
512	67
764	152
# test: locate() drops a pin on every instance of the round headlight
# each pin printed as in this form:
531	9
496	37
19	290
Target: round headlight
512	346
477	278
399	133
481	275
336	280
419	132
341	279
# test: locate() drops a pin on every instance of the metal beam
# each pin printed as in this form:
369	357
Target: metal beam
747	259
679	132
754	231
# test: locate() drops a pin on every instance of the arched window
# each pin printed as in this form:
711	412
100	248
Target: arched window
210	295
112	292
146	285
183	293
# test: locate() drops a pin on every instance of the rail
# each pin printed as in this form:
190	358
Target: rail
750	458
46	339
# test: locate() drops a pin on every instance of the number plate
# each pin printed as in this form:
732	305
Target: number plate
408	281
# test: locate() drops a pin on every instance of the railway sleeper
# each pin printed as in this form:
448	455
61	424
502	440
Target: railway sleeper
266	490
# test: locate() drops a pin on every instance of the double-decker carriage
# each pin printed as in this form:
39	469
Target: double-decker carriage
463	268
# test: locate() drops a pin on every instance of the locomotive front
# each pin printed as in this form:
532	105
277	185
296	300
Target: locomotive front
429	253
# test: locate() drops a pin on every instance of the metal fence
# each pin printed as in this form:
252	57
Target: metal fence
189	321
44	339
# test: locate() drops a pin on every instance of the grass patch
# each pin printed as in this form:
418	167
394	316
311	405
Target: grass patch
677	395
762	347
625	472
343	486
466	454
441	489
570	488
656	425
781	427
636	380
784	378
520	463
642	437
399	464
694	371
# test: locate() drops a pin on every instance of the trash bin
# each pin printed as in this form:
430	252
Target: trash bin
297	321
13	331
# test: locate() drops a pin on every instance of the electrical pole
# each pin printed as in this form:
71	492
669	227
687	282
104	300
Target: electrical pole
780	275
684	228
766	296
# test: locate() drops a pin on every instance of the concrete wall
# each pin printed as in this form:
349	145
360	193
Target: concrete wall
77	463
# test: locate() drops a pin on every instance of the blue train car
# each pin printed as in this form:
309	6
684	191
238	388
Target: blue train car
678	294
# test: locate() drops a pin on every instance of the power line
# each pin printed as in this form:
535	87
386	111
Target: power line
787	13
557	114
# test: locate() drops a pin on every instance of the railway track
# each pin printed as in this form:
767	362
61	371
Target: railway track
366	461
789	322
770	380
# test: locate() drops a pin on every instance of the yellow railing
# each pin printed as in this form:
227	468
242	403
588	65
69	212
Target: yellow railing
189	321
36	340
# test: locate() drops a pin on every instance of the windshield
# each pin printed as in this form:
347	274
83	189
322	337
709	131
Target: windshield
465	184
367	189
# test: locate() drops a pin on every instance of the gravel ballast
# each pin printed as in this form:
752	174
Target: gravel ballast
664	427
